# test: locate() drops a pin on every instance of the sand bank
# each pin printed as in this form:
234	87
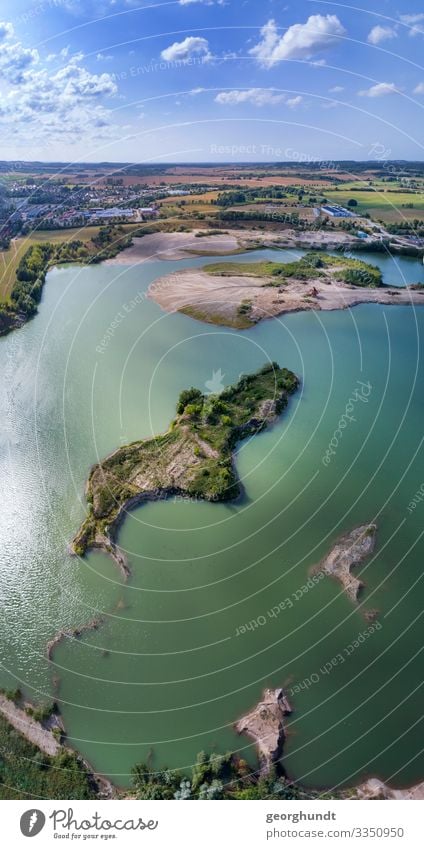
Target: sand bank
217	299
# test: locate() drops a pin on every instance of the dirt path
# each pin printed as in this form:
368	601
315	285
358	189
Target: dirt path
28	727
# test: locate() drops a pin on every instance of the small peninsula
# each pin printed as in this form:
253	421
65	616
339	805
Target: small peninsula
193	458
240	294
265	725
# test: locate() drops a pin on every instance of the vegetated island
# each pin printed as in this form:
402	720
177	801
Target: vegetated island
241	294
349	551
194	458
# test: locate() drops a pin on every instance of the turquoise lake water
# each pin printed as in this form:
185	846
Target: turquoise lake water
170	670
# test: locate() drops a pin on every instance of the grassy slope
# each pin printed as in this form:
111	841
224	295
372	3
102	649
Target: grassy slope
194	456
25	772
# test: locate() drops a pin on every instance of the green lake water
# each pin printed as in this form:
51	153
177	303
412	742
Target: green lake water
190	642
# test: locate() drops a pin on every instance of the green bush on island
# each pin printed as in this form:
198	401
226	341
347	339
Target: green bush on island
245	307
13	695
187	396
43	712
369	276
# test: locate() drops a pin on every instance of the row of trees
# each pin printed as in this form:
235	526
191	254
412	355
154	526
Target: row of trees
32	269
30	277
216	777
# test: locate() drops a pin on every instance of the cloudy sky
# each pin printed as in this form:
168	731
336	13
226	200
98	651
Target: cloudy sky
210	80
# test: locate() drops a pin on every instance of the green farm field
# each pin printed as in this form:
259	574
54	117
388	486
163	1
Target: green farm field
378	199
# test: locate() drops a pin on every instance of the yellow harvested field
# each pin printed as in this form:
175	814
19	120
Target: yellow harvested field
10	259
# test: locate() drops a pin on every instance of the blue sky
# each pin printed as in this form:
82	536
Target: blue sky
210	80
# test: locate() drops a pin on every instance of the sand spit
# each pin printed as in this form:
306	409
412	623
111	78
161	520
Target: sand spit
217	299
72	634
172	246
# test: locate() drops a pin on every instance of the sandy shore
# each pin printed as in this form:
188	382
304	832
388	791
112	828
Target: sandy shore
375	788
172	246
217	299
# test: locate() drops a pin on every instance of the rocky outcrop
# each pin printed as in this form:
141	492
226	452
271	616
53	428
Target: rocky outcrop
350	550
72	634
265	725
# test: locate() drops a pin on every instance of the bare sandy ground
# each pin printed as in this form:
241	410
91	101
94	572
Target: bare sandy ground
172	246
28	727
217	299
375	788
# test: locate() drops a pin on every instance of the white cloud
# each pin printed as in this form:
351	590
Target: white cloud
336	89
300	41
256	96
294	101
414	22
187	49
41	105
419	89
379	90
6	30
379	34
14	59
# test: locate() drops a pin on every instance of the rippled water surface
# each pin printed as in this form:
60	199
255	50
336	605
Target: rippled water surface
192	639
